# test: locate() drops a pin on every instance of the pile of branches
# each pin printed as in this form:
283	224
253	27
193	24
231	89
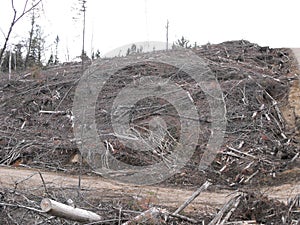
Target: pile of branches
30	133
37	119
255	81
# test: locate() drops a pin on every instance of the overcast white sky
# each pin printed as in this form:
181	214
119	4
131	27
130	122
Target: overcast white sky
113	23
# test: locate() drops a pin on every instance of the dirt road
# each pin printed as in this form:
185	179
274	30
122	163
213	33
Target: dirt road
169	197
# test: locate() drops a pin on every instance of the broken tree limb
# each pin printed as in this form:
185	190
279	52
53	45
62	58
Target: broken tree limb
251	176
184	218
61	210
242	153
188	201
53	112
20	206
195	195
235	205
152	215
230	203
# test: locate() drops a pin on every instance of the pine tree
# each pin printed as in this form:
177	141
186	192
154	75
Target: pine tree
50	60
19	60
184	43
97	54
36	48
36	41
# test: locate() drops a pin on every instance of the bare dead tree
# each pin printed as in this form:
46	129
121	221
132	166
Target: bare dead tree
83	10
167	35
15	19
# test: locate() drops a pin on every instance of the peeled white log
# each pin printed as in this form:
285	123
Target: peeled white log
61	210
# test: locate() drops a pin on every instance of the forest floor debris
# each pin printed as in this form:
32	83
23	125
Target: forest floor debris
260	148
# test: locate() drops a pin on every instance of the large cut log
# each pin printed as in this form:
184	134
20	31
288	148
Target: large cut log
61	210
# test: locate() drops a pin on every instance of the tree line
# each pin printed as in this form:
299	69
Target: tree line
30	51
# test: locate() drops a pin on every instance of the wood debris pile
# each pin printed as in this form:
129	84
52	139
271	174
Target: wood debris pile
261	143
37	119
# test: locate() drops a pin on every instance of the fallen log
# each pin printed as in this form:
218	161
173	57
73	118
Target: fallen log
61	210
232	203
151	216
195	195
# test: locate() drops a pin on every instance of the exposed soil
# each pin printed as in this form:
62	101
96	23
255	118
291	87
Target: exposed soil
170	197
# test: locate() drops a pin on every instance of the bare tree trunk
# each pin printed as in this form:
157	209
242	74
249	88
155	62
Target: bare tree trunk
83	34
15	61
9	65
167	35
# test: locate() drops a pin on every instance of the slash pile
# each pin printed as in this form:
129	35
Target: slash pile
36	115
